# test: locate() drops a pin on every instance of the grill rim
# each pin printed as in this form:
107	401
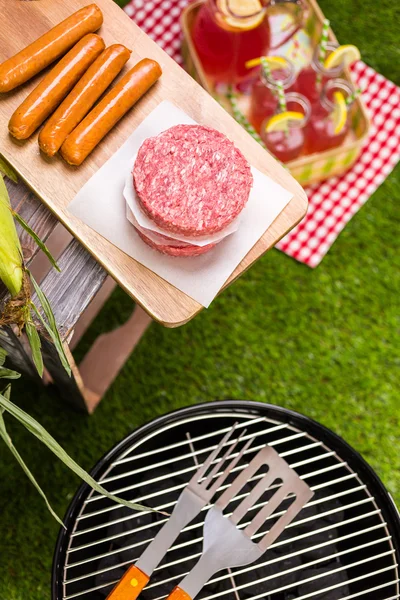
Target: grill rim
335	442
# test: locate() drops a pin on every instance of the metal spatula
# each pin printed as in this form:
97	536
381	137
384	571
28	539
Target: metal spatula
227	546
195	496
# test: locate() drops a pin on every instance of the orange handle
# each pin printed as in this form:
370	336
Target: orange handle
130	586
178	594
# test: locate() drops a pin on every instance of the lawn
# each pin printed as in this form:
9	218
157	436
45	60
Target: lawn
323	342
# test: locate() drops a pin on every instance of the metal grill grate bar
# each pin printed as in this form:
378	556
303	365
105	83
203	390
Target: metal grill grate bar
375	589
354	580
199	438
197	525
193	467
207	451
170	504
311	548
274	575
277	544
261	534
314	578
284	588
241	571
91	529
129	488
281	589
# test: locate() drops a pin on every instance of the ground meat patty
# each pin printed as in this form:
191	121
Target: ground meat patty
184	250
191	180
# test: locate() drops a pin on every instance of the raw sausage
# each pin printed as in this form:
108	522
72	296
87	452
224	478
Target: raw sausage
55	86
80	143
34	58
78	103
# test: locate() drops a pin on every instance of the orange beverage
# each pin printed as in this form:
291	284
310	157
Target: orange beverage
321	129
286	145
264	99
311	80
227	33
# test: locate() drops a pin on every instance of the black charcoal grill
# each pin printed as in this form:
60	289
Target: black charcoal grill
345	544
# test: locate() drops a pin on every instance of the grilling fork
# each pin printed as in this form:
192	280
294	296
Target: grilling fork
227	546
196	495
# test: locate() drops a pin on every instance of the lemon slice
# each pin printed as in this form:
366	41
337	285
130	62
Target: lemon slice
339	114
280	122
274	62
345	55
240	14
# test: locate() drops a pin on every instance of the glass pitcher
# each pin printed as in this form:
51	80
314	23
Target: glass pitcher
227	33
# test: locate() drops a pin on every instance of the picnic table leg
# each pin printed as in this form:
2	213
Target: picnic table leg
108	354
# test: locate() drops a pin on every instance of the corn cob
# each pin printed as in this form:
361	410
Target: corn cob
11	268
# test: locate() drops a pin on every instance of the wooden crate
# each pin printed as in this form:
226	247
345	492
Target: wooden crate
308	168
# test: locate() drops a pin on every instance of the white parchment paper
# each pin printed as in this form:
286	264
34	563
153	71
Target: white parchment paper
100	203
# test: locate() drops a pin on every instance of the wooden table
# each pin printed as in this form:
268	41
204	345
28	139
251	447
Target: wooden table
78	293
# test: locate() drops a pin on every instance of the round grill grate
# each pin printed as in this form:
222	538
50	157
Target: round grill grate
343	544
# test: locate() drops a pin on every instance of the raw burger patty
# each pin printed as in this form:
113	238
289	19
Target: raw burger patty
184	250
191	180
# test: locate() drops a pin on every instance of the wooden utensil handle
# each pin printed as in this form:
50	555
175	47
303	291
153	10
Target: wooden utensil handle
178	594
130	586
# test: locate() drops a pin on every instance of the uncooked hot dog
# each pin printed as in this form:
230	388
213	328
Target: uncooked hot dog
85	137
78	103
34	58
55	86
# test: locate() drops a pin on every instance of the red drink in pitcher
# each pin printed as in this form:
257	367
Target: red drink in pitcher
287	143
311	80
264	99
321	133
228	33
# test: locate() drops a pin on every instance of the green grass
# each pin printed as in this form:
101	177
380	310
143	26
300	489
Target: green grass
322	342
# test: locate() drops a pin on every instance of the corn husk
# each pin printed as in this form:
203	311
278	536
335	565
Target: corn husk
11	271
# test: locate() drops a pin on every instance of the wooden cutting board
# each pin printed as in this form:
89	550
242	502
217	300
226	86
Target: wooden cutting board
56	183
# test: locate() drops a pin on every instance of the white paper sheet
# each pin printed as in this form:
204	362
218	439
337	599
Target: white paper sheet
101	205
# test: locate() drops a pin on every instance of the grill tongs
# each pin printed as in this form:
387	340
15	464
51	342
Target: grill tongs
225	545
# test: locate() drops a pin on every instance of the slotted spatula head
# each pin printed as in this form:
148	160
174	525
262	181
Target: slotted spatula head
225	545
278	469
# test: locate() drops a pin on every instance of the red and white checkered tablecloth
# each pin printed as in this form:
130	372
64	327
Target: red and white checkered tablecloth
335	201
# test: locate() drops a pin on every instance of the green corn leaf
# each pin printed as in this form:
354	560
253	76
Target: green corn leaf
51	326
7	170
3	356
37	239
4	435
34	342
37	430
8	374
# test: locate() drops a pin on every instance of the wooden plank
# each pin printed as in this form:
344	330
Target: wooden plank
71	291
109	353
57	183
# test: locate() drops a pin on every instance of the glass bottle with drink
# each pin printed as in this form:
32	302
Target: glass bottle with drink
330	120
228	33
311	80
264	96
284	132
